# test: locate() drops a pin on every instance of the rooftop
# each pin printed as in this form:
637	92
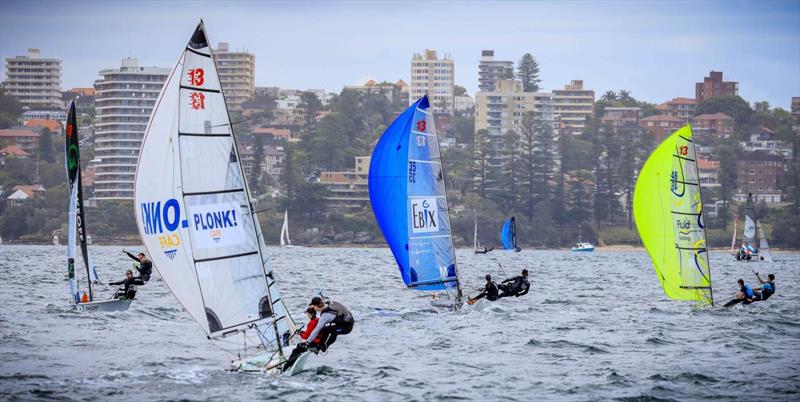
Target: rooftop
662	117
14	151
52	125
18	132
715	116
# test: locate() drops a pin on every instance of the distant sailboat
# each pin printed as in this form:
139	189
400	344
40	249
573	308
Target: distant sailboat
197	220
56	241
508	235
477	244
752	235
285	242
668	211
409	200
76	229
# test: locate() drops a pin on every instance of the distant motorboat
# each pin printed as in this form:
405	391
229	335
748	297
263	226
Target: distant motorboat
582	246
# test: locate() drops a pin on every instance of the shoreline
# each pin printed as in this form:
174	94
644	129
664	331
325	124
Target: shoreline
611	248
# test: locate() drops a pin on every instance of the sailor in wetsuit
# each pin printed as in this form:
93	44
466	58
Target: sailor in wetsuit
516	286
334	320
767	287
491	292
128	290
145	266
745	295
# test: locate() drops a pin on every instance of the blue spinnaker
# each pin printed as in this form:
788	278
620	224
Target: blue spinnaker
505	235
406	188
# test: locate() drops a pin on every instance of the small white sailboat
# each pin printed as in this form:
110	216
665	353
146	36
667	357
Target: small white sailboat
582	246
56	241
198	223
285	241
82	300
477	244
754	245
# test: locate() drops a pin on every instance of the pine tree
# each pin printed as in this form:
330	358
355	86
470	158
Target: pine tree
528	72
480	165
510	170
528	162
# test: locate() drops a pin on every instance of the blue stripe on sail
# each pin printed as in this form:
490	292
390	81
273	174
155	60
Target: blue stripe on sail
405	182
505	235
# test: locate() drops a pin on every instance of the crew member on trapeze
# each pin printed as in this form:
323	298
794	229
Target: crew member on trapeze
516	286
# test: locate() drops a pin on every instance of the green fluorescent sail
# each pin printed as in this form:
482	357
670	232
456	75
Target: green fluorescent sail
669	216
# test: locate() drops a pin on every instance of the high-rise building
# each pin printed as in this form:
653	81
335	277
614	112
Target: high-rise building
124	99
712	86
237	74
433	76
34	80
573	105
503	109
490	71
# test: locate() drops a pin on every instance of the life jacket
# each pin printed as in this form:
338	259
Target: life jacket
343	315
748	291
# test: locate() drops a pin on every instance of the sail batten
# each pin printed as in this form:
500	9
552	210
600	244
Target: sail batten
193	207
668	211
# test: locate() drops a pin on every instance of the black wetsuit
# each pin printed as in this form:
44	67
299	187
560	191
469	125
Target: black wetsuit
145	267
491	292
334	320
516	286
128	291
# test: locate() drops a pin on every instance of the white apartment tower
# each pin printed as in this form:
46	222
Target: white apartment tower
34	80
490	70
433	76
237	74
573	105
124	99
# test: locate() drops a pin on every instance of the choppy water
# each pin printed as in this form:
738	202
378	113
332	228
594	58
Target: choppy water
595	327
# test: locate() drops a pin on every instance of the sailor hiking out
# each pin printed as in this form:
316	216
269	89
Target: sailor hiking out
334	320
490	291
516	286
128	289
145	266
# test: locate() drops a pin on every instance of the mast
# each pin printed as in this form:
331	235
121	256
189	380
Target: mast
250	207
459	293
475	236
73	161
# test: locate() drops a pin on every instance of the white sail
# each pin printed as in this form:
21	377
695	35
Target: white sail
285	230
763	245
193	209
749	229
733	239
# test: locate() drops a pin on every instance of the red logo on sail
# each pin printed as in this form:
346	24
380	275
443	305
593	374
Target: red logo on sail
196	77
198	100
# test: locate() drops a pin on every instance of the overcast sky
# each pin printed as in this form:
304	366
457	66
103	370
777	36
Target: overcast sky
658	50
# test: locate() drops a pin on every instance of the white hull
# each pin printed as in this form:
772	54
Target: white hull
105	305
262	364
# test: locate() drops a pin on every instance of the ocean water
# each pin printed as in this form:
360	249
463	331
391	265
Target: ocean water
596	326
